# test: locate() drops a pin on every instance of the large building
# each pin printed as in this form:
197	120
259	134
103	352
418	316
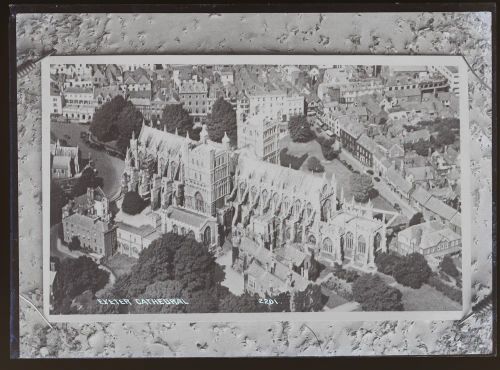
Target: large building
185	180
65	160
276	206
194	97
260	135
275	105
88	218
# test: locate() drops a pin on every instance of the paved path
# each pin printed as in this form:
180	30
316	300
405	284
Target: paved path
233	280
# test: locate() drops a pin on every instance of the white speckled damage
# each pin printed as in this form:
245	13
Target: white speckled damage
387	33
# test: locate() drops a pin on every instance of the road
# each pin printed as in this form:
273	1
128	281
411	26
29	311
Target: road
108	167
381	186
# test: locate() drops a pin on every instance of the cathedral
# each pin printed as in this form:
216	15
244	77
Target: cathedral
209	191
185	181
275	206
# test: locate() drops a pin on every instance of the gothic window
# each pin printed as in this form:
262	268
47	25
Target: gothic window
174	229
349	240
326	209
183	231
253	194
361	244
296	208
207	236
312	239
288	233
328	245
309	209
199	204
286	204
376	242
191	234
264	196
242	189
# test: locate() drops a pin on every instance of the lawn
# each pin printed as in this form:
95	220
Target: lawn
424	299
120	264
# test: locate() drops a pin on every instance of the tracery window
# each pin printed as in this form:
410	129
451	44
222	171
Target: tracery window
328	245
361	244
349	240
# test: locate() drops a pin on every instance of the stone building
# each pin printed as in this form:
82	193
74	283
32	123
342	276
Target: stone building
88	217
65	160
260	135
186	181
276	206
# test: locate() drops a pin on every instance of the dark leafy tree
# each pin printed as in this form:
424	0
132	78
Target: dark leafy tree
413	271
75	243
115	120
288	160
174	117
361	185
244	303
373	294
309	299
327	148
421	147
314	165
300	129
315	269
222	119
179	267
58	199
87	179
448	266
445	137
75	276
416	219
283	304
386	262
133	203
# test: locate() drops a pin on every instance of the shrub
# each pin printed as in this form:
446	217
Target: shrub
300	129
386	262
413	271
373	294
347	275
448	266
288	160
74	244
452	293
314	165
327	147
416	219
340	287
361	185
133	203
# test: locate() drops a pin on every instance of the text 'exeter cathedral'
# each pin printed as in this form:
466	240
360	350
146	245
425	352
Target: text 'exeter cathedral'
209	191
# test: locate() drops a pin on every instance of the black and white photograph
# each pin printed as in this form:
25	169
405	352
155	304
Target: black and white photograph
264	180
319	186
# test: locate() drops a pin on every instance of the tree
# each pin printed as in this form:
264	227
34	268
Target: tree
421	147
361	185
327	148
413	271
88	179
115	120
244	303
315	269
175	266
448	266
75	243
314	165
307	300
175	117
386	262
288	160
373	294
75	276
300	129
283	304
416	219
445	137
133	203
58	199
222	120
